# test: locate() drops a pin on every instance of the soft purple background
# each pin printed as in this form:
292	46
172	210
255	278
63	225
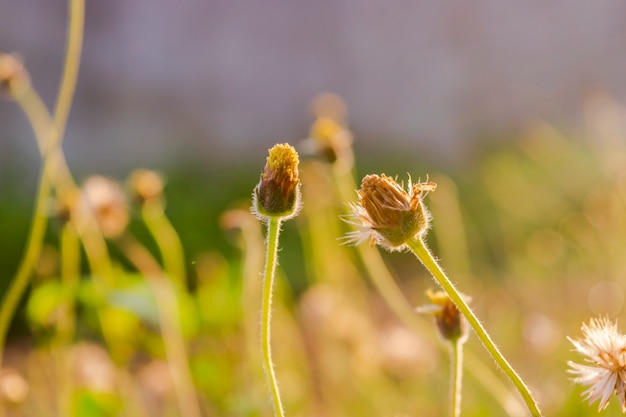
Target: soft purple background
216	78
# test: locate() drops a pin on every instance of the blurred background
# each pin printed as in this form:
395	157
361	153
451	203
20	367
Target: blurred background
515	109
213	79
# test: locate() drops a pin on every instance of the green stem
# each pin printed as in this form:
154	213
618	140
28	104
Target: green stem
456	377
167	240
50	157
423	254
273	230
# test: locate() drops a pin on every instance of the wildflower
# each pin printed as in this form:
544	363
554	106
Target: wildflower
604	349
277	194
387	214
452	325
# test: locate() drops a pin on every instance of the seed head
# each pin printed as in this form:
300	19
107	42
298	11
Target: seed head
451	323
604	349
278	192
387	214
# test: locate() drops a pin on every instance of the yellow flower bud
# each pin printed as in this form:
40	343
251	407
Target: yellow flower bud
278	192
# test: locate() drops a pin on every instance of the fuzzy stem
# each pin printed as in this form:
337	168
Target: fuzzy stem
456	377
273	230
423	254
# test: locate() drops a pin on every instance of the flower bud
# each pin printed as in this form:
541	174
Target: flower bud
452	325
12	72
277	194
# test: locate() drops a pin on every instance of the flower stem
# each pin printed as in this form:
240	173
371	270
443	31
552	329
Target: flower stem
167	240
423	254
273	230
456	377
51	152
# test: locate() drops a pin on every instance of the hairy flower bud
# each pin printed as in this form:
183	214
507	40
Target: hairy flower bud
278	192
451	323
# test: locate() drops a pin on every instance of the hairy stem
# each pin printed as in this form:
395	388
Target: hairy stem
273	230
423	254
456	377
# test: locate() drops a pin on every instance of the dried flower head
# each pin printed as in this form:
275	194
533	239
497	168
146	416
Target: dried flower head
387	214
12	72
278	192
103	200
451	323
604	349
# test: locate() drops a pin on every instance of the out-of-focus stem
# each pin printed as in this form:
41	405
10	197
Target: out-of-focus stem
456	377
52	139
167	305
167	240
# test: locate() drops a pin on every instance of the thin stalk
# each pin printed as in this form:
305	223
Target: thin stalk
456	377
423	254
273	230
167	240
70	71
52	142
70	276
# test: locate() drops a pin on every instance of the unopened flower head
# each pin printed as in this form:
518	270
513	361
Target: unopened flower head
145	185
12	72
387	214
451	323
604	349
330	140
277	194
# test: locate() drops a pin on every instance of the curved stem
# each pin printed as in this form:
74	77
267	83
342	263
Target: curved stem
456	377
423	254
167	240
70	71
50	157
273	230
